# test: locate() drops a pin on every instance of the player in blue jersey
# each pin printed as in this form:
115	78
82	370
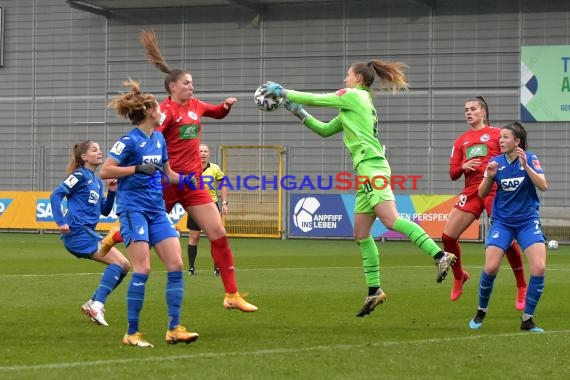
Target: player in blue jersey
140	162
86	202
518	174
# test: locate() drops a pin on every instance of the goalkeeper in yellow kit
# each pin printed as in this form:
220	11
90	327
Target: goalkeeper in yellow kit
358	120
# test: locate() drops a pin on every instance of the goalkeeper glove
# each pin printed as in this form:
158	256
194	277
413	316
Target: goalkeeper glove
273	89
297	110
146	169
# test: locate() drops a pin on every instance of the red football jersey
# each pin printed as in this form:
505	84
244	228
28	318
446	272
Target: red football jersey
482	144
182	130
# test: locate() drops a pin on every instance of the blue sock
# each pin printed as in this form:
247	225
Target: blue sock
485	289
111	276
135	299
174	294
533	293
121	277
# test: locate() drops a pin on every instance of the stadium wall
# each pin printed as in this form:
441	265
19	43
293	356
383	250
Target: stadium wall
62	65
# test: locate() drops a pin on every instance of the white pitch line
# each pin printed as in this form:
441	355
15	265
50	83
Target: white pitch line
256	270
276	351
207	270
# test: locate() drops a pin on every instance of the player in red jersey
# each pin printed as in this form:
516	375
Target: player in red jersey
469	157
182	128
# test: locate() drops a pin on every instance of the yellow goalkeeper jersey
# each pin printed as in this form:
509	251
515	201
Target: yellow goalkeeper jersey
211	177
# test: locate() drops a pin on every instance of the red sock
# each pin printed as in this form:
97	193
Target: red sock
515	260
224	260
451	245
117	238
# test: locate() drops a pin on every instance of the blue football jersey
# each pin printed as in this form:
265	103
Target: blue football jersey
85	200
516	198
140	192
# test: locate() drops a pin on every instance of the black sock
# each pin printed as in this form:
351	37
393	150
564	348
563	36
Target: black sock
192	253
438	255
372	290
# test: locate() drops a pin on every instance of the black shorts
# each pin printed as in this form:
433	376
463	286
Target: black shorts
192	225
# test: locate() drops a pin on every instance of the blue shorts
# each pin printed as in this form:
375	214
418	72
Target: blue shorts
526	233
81	242
152	227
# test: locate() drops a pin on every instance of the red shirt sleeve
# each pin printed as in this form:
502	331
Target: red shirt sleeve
214	111
456	161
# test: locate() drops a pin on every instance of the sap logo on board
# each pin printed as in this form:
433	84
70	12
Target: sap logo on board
176	213
43	211
4	203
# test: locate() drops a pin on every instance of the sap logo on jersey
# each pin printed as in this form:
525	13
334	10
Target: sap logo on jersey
152	159
93	197
511	184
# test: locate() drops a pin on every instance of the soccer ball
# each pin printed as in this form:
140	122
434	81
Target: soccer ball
303	213
266	103
553	244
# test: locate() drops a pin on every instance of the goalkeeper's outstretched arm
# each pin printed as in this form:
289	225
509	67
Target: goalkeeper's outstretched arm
322	129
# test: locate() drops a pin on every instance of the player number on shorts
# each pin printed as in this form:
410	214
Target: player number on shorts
462	200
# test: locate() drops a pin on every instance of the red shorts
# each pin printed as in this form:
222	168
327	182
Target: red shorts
185	196
469	201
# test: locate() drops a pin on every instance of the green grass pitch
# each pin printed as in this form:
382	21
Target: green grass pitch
308	292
